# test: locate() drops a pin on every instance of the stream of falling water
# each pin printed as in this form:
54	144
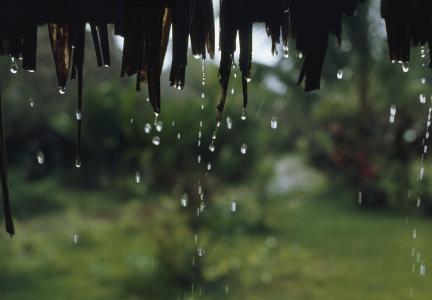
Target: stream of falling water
418	260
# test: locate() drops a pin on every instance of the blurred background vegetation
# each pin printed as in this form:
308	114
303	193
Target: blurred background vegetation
331	204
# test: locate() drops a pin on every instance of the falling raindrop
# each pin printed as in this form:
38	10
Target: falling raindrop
405	67
392	113
340	74
184	200
14	66
212	147
414	234
78	163
248	79
202	95
147	128
360	198
233	206
137	177
75	238
418	202
229	123
78	115
40	157
422	98
274	123
422	270
131	120
423	80
178	136
200	252
32	102
232	91
62	90
243	148
197	56
199	159
159	126
156	141
209	166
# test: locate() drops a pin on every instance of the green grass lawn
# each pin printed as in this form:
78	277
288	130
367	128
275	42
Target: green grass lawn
314	248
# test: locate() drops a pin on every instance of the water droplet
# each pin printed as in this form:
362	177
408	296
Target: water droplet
286	51
62	90
418	202
156	141
201	124
209	166
137	177
184	200
422	98
202	95
197	56
78	115
178	136
274	123
422	270
200	252
40	157
131	120
360	198
233	206
414	234
148	99
229	123
147	128
78	163
14	66
212	147
300	55
31	71
405	67
243	148
75	238
232	91
159	126
199	159
243	115
340	74
32	102
392	113
423	80
248	79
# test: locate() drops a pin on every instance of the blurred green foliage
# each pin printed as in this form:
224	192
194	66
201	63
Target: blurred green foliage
297	231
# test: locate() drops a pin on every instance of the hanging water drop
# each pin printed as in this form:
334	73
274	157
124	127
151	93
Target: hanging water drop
422	98
199	159
32	103
405	67
340	74
184	200
248	79
423	80
75	238
137	177
209	166
197	56
147	128
243	115
159	126
243	148
202	95
286	51
156	141
40	157
178	136
62	90
232	91
212	147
